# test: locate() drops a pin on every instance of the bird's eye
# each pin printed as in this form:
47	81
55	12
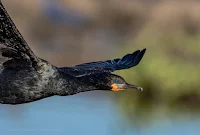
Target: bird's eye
115	81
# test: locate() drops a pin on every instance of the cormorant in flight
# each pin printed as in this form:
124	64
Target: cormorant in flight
24	77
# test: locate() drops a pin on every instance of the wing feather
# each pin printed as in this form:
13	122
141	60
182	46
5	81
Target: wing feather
11	39
128	61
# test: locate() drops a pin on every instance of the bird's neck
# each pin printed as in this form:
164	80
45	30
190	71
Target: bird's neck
72	85
75	88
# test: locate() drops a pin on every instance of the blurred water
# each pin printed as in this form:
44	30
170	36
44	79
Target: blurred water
81	115
172	39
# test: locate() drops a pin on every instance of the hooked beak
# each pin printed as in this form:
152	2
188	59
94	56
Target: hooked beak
131	86
120	87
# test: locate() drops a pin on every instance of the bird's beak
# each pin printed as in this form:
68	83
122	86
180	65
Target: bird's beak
120	87
131	86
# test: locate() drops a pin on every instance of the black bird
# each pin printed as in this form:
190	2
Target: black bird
24	77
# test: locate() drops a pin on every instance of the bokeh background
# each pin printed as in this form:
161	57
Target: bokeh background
68	32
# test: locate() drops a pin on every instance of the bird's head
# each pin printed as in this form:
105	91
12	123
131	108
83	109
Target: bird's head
118	83
108	81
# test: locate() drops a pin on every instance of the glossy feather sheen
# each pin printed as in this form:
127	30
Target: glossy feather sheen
25	77
128	61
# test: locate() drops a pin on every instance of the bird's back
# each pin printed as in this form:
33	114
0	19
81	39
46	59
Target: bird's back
24	84
78	72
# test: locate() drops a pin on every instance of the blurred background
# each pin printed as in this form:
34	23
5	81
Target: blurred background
69	32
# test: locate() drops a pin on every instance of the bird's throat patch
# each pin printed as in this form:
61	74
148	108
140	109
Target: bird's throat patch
116	88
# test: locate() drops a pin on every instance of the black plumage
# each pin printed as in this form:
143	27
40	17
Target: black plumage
128	61
24	77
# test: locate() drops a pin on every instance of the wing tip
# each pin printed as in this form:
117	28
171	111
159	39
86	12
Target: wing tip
135	61
144	50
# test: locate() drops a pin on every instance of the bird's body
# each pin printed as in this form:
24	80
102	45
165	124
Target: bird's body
24	77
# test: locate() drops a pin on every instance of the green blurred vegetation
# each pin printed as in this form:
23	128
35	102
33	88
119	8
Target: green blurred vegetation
169	71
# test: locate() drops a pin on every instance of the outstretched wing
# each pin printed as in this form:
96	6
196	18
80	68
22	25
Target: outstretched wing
13	44
128	61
